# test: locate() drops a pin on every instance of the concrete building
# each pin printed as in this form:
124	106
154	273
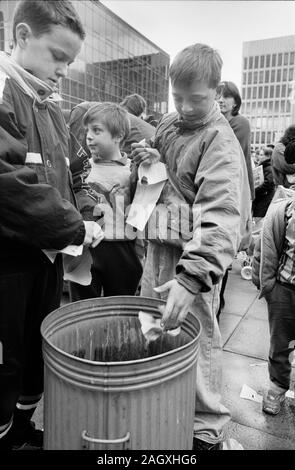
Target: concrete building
268	87
115	61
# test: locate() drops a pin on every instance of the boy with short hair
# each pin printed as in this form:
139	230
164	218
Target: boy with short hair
206	169
37	206
116	269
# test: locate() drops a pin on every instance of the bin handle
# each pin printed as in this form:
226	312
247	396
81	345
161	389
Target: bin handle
93	440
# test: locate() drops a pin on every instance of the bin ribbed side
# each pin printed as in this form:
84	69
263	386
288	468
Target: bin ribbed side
152	398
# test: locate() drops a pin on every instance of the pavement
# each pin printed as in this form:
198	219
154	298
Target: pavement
245	334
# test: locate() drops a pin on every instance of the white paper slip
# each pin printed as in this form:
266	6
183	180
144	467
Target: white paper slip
152	173
290	394
144	202
73	250
78	269
249	394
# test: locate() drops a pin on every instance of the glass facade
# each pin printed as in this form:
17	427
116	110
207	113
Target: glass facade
115	60
268	88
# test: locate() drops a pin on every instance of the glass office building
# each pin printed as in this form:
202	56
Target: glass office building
115	60
268	87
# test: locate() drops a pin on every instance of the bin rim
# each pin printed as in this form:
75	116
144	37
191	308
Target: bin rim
116	363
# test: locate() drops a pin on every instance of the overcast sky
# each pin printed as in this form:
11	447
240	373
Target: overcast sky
224	25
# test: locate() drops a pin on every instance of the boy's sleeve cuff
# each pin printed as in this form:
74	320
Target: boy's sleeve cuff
193	285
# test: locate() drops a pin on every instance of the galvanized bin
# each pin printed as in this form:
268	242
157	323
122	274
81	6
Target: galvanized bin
106	388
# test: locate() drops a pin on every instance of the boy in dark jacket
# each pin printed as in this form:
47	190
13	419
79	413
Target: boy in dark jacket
37	205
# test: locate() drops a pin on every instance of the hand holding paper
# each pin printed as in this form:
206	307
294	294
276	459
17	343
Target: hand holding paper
93	234
141	153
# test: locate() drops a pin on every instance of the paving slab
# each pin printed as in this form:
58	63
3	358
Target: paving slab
252	439
239	370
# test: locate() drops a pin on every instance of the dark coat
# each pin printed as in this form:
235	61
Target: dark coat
264	193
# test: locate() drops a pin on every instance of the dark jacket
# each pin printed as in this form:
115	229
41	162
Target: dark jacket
281	169
264	193
139	130
36	197
241	127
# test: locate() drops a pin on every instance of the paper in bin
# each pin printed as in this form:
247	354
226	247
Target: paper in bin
152	329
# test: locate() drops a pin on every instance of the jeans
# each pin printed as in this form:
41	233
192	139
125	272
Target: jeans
281	317
210	415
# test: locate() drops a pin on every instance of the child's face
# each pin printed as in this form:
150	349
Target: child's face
49	55
193	102
100	141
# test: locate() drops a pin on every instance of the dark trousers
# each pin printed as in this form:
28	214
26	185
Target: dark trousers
27	295
281	315
116	270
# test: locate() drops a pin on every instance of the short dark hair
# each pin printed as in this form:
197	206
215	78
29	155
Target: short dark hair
289	152
197	62
289	135
112	115
135	104
41	15
229	89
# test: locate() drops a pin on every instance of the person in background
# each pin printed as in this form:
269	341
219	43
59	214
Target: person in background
206	170
265	192
139	128
283	172
37	207
116	269
229	100
273	272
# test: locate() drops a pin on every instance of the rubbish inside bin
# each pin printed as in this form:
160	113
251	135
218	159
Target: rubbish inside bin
118	338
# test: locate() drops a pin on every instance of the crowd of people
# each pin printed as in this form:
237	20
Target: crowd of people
63	184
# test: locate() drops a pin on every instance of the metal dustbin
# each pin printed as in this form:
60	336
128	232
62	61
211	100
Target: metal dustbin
105	387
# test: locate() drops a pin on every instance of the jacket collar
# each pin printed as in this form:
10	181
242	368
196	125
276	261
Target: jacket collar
31	85
183	125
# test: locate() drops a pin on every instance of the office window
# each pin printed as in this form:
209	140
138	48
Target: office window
283	93
292	57
266	76
250	62
273	76
260	92
254	95
288	106
245	62
286	57
243	92
268	60
279	73
291	74
270	106
277	91
271	91
280	59
248	93
265	94
250	78
255	77
273	60
285	72
256	60
262	61
261	76
244	78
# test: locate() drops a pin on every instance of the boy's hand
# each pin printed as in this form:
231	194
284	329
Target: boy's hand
177	306
143	154
93	234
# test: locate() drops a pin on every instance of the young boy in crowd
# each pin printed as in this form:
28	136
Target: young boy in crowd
273	272
37	208
206	169
116	269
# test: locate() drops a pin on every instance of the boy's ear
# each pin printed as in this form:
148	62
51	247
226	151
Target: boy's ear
22	32
118	138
